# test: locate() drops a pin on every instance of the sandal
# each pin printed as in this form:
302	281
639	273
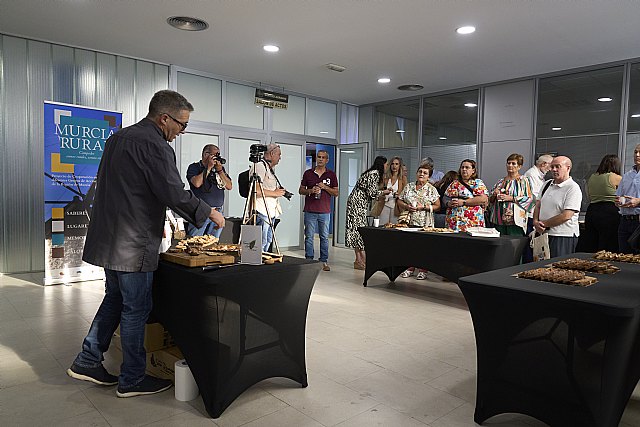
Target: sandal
406	273
421	275
358	266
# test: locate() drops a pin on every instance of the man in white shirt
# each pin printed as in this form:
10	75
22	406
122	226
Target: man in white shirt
557	209
536	178
268	208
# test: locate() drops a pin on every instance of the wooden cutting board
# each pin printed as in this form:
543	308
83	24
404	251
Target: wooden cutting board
197	260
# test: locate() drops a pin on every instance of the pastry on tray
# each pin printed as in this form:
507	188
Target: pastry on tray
398	225
586	265
613	256
558	275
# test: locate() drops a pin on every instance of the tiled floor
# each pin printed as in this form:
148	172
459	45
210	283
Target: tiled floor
385	355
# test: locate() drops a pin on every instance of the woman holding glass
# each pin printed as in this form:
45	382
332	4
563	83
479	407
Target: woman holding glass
420	199
511	199
466	198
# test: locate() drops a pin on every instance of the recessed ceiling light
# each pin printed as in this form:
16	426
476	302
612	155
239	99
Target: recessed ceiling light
324	132
384	80
467	29
442	137
271	48
411	87
399	131
187	24
556	128
635	116
470	105
605	99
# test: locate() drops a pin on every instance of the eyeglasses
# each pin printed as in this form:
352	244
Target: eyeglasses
183	125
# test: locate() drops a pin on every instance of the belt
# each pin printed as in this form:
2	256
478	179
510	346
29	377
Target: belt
635	217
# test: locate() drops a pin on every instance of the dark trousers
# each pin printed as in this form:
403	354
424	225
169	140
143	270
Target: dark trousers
527	254
625	230
561	245
600	228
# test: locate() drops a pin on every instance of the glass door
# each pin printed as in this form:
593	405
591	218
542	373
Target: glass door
352	161
289	172
237	162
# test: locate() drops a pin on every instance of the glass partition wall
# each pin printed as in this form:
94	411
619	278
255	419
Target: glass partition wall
633	116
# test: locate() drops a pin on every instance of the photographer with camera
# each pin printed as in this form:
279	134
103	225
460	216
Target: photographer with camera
208	181
271	190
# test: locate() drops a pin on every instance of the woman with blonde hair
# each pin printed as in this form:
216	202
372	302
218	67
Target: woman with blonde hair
385	207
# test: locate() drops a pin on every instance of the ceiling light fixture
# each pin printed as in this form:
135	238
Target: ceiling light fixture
347	151
324	132
467	29
442	137
635	116
411	87
384	80
556	128
605	99
470	105
271	48
187	24
399	131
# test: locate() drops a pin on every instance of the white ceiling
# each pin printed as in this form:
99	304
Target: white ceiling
411	41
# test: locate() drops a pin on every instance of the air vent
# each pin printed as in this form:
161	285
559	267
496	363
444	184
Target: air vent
412	87
335	67
188	24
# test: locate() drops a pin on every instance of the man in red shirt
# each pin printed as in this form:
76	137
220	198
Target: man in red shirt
318	185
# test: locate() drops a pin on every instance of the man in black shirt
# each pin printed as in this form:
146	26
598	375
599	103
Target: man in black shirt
137	179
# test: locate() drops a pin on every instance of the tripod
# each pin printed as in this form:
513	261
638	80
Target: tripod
250	213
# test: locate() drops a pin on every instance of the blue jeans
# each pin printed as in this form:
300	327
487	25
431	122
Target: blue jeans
267	234
127	301
207	228
316	222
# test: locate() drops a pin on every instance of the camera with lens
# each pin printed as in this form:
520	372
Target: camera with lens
287	194
256	151
219	159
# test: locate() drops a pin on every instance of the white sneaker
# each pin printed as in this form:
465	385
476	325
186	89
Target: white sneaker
421	275
406	273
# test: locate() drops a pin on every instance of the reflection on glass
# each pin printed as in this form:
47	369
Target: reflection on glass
397	124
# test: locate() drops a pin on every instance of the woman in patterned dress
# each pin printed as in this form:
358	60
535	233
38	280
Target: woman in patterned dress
466	198
365	190
421	199
511	198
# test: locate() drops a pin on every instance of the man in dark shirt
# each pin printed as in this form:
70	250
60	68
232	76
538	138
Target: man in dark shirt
208	180
137	179
318	184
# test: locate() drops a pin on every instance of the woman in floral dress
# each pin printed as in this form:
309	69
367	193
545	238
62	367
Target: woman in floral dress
365	190
466	198
421	200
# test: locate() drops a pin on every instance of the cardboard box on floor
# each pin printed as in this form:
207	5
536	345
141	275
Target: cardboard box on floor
156	337
160	363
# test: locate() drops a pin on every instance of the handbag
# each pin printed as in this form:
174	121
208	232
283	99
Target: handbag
377	207
539	244
634	239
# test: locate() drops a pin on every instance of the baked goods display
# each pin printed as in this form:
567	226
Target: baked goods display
558	275
392	225
437	230
613	256
586	265
207	245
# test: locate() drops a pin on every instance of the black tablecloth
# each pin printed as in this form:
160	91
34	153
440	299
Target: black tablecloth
451	255
237	325
569	356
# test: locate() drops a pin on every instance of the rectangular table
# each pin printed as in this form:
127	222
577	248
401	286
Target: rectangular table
450	255
237	325
569	356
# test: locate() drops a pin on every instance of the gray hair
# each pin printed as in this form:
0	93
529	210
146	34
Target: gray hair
544	158
271	148
168	101
427	161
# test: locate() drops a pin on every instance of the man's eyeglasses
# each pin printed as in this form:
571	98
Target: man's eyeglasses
182	124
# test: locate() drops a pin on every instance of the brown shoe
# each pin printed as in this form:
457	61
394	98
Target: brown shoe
325	267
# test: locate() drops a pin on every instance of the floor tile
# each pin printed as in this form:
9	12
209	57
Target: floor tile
284	417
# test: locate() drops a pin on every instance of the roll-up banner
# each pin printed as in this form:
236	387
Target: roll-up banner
74	138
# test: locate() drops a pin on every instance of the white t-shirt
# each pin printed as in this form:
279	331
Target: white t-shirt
557	198
390	199
536	179
269	182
